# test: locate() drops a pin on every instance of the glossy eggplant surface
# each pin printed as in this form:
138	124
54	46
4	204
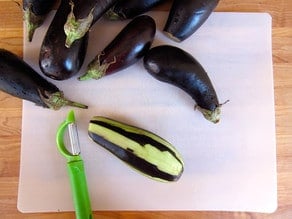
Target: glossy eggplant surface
175	66
187	16
34	13
129	9
19	79
130	45
56	60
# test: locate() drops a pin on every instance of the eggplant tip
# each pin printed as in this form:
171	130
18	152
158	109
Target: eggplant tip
211	115
172	37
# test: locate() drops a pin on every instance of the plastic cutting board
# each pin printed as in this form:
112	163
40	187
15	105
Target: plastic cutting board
229	166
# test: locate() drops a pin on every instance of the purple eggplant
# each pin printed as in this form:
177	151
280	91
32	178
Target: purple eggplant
83	14
130	45
129	9
175	66
19	79
34	13
57	61
187	16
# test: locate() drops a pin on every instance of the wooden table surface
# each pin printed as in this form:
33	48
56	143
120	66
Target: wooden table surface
11	38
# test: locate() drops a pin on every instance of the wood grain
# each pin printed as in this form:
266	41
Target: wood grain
11	38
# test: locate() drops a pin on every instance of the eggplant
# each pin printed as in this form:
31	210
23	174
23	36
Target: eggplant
129	9
186	17
19	79
34	14
55	60
142	150
175	66
83	14
130	45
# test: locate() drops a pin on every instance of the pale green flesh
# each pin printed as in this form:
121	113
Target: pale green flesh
164	160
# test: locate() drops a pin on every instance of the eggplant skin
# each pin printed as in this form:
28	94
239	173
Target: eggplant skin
175	66
142	150
186	17
38	7
129	9
129	46
34	13
55	60
20	80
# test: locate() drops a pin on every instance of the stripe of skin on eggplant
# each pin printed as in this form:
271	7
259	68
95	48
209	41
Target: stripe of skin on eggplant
83	14
20	80
186	17
129	9
34	13
175	66
129	46
55	60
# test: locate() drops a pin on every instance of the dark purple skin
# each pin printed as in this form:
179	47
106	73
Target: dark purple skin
177	67
187	16
98	7
83	14
20	80
35	12
39	7
55	60
129	9
130	45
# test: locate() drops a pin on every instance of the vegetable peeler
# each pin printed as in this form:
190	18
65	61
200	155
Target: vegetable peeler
75	167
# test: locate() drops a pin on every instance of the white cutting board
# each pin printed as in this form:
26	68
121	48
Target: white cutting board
229	166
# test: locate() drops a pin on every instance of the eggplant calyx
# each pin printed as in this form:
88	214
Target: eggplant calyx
113	16
96	70
57	100
211	115
32	22
76	29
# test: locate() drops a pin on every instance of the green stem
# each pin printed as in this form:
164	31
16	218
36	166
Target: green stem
57	100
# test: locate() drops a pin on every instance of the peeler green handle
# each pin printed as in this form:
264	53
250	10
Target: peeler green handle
79	189
75	167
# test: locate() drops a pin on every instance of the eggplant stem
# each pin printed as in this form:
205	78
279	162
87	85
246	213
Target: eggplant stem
95	70
31	21
57	100
76	29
